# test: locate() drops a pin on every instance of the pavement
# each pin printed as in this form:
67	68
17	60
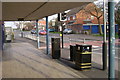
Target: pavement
26	61
23	60
97	51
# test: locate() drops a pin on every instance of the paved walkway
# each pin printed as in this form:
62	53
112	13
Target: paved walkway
23	60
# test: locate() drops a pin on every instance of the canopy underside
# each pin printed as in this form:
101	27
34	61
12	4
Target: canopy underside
11	11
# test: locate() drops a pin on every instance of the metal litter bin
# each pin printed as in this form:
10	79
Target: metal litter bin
72	52
83	57
55	48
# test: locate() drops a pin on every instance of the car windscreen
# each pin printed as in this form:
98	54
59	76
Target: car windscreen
33	30
65	29
42	31
69	29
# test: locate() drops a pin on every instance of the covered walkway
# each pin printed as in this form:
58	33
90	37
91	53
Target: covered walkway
23	60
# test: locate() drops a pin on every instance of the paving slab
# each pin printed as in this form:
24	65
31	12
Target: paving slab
23	60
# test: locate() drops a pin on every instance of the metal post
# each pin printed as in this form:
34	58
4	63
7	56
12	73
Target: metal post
62	38
84	40
1	36
111	71
47	36
21	27
1	47
104	58
62	35
37	30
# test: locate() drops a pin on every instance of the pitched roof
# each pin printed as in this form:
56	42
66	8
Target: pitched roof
75	10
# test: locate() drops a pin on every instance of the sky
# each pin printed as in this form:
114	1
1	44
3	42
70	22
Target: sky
52	17
11	23
117	1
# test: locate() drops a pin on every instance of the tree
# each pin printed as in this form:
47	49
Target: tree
117	14
117	17
56	23
50	23
29	25
95	11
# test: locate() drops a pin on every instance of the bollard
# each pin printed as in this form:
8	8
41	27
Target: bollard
84	40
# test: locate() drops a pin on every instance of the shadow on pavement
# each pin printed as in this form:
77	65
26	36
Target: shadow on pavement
95	72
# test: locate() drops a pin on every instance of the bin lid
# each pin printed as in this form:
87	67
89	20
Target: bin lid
85	45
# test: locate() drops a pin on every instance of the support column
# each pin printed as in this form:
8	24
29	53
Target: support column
22	25
111	71
1	42
1	46
1	36
62	35
104	55
47	36
37	30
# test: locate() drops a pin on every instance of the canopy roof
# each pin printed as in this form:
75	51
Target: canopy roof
11	11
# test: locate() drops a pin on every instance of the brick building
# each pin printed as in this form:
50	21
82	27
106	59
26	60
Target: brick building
42	24
77	17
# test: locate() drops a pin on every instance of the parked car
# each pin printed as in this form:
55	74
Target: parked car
67	31
33	32
42	32
51	30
